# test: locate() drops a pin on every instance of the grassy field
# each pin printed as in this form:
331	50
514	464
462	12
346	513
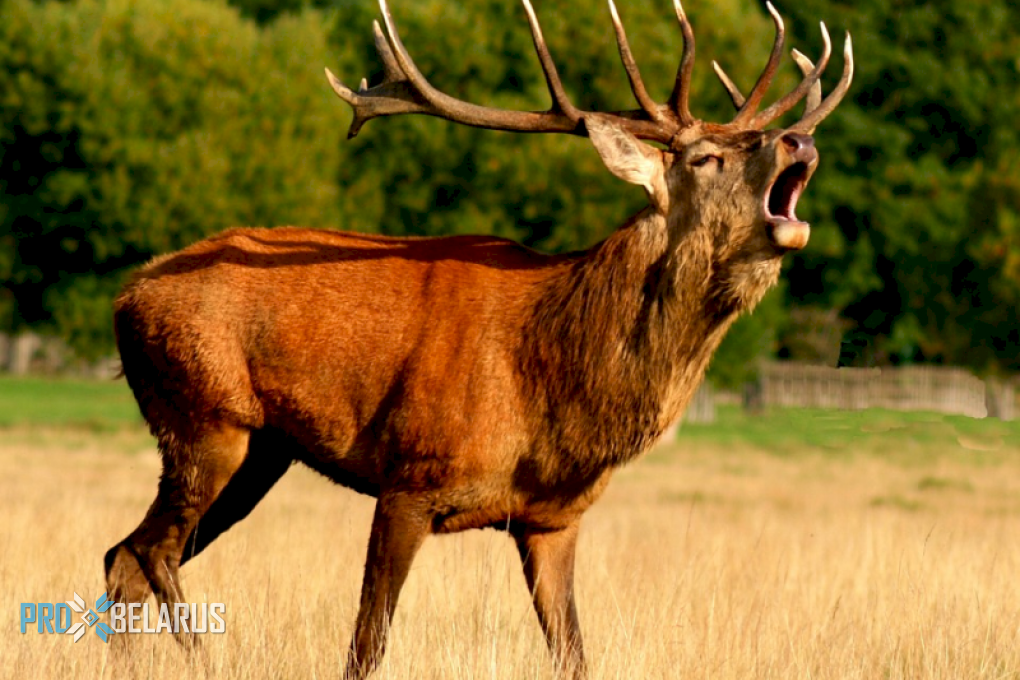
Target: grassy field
799	544
66	402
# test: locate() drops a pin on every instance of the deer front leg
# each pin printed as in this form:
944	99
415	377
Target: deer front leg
399	527
548	559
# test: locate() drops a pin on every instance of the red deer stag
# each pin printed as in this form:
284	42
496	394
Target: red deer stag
465	382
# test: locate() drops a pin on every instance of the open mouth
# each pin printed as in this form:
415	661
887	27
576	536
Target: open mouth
785	230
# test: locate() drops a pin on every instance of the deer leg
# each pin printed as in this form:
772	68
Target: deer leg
265	464
194	473
399	528
548	559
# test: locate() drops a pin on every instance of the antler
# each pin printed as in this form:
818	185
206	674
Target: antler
681	90
815	109
813	115
405	90
637	86
750	106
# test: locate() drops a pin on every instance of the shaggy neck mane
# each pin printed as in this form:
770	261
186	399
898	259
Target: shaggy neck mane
629	327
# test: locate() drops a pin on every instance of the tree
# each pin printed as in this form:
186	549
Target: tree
131	129
920	181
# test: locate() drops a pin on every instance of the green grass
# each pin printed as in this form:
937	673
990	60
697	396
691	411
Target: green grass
65	402
788	431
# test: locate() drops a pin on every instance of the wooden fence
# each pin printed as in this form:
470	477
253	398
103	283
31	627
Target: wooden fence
914	388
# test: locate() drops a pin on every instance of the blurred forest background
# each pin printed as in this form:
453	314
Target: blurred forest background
133	127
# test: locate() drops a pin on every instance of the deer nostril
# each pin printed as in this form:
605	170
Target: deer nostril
796	141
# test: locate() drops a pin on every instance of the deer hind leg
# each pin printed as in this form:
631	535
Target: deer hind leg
195	471
399	528
548	560
265	464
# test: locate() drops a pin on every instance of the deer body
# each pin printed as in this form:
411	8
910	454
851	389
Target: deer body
424	363
465	382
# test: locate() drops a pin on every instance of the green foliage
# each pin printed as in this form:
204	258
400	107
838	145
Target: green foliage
80	307
920	180
132	128
264	11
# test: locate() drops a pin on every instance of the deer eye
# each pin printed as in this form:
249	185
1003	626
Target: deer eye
704	160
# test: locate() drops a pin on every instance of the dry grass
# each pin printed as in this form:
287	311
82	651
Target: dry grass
700	562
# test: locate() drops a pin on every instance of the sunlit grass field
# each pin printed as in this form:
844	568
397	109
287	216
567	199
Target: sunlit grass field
66	402
797	544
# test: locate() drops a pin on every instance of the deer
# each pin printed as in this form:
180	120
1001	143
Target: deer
464	382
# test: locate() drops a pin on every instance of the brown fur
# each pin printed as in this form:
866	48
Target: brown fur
465	382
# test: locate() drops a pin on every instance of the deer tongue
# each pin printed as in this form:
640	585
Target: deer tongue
789	234
785	230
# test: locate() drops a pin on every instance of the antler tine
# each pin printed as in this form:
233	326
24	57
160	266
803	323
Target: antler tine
815	116
351	98
637	86
814	97
403	58
391	68
731	89
364	108
750	106
561	102
368	104
678	99
790	100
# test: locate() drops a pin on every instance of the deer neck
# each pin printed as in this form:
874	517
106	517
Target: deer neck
628	330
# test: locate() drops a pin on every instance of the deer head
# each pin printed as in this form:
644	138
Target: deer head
735	185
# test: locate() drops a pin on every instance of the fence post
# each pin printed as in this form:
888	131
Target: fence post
702	406
5	352
1000	399
23	349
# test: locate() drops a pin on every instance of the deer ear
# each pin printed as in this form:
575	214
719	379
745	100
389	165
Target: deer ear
629	158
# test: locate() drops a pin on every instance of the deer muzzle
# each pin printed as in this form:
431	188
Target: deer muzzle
797	151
